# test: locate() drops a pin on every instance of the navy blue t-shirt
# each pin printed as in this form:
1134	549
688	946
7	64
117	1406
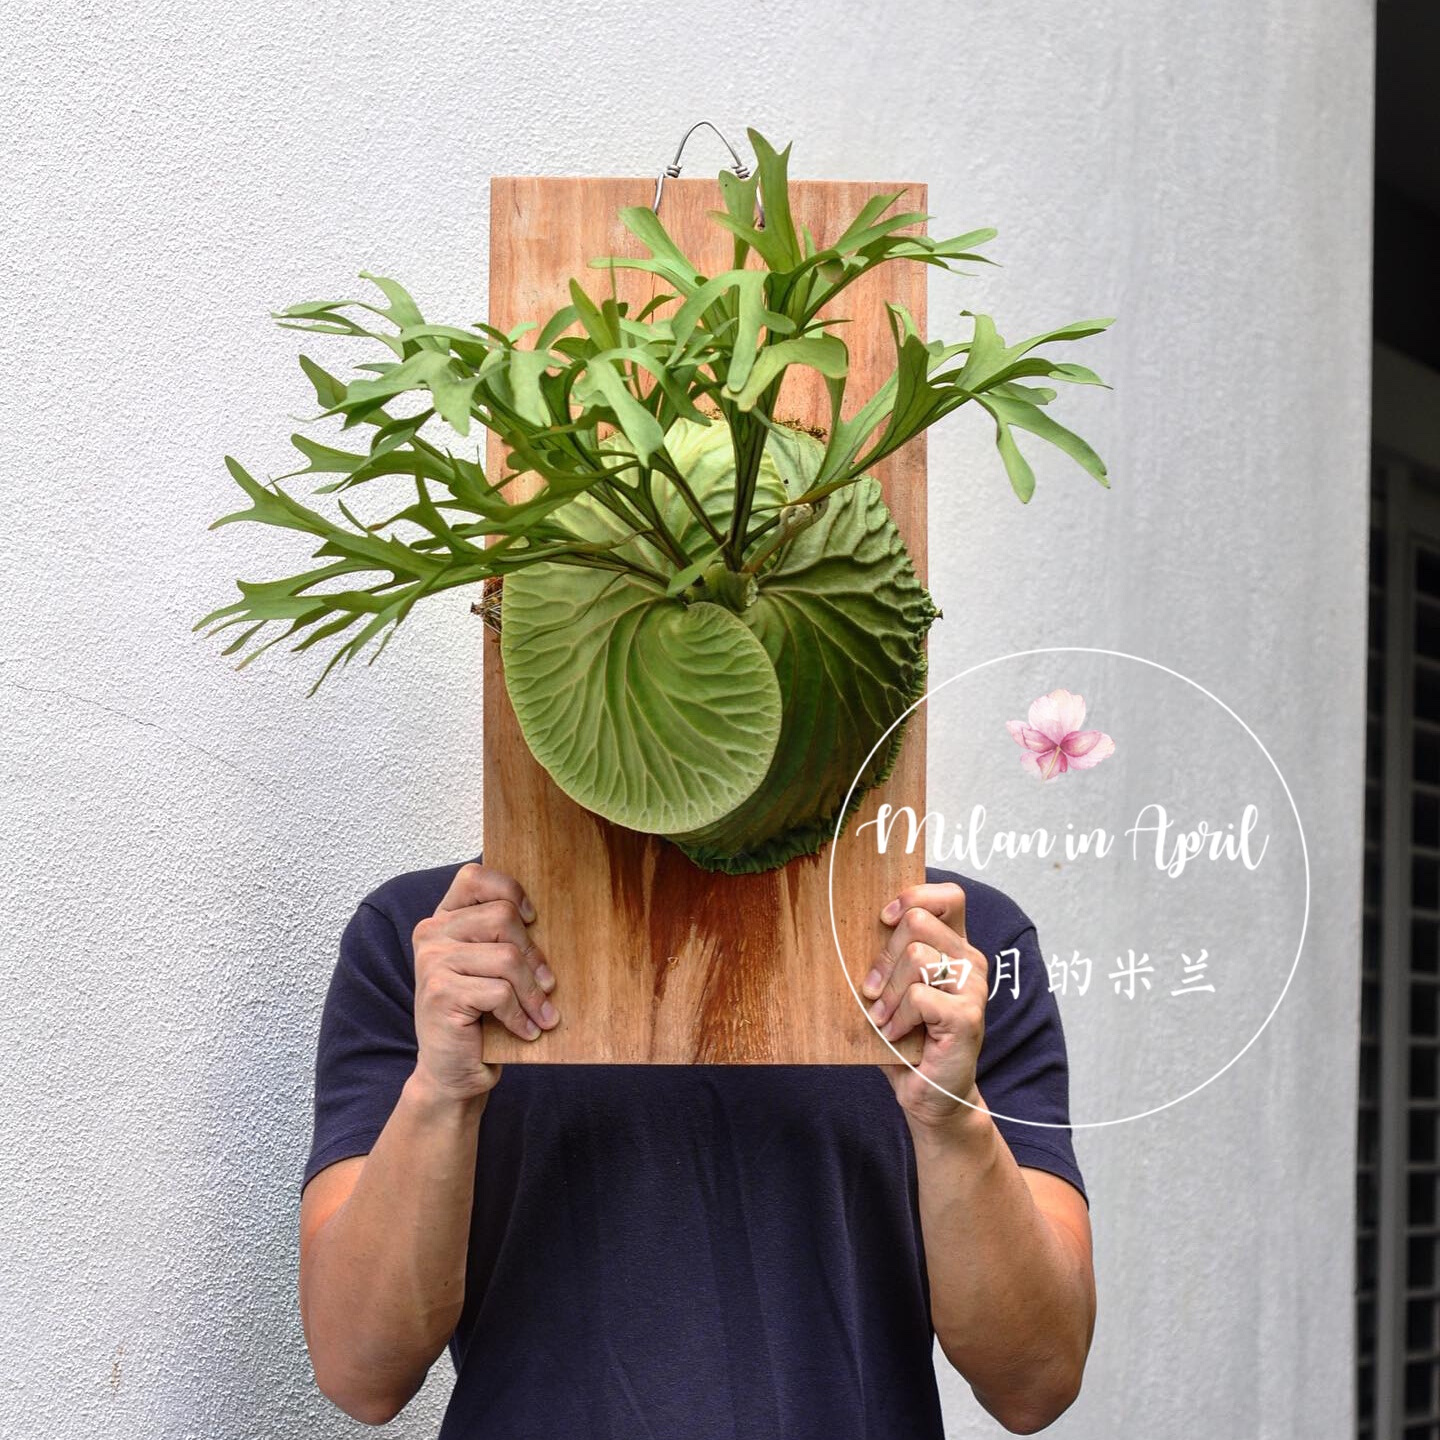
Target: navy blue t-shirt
688	1252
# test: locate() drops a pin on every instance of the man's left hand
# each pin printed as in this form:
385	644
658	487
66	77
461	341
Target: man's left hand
929	974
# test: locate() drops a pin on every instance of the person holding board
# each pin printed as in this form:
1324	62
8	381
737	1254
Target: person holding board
689	1252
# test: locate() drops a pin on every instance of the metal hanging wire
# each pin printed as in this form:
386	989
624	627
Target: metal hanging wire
487	607
740	169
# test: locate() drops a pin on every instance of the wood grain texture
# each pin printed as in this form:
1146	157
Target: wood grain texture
657	960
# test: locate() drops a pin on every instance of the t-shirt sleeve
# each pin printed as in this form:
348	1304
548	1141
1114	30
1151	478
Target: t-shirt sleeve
367	1047
1023	1073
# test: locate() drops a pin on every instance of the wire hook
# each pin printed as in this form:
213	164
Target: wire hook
740	169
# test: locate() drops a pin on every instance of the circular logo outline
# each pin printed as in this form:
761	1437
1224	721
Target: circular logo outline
1071	650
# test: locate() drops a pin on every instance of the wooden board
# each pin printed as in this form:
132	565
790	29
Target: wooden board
657	960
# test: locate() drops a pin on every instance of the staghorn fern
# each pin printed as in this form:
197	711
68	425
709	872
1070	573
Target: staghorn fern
708	617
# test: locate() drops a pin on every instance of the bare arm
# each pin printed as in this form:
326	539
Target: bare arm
1007	1248
384	1237
383	1243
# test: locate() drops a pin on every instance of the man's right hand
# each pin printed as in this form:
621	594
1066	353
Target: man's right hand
474	957
383	1235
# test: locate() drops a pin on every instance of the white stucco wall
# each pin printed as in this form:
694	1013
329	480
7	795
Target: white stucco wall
182	843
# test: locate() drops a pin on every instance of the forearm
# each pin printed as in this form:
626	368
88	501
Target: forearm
1010	1293
385	1283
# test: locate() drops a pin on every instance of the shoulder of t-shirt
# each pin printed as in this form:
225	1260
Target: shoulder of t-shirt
992	919
408	897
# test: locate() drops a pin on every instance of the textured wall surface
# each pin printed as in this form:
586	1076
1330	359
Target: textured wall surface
183	843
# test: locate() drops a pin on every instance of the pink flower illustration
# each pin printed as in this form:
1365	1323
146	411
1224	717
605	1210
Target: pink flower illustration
1053	740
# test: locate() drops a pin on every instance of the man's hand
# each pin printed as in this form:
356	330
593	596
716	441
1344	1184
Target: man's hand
383	1235
929	940
1007	1247
474	957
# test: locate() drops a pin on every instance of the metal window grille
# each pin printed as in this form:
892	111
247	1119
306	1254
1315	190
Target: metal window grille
1398	1160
